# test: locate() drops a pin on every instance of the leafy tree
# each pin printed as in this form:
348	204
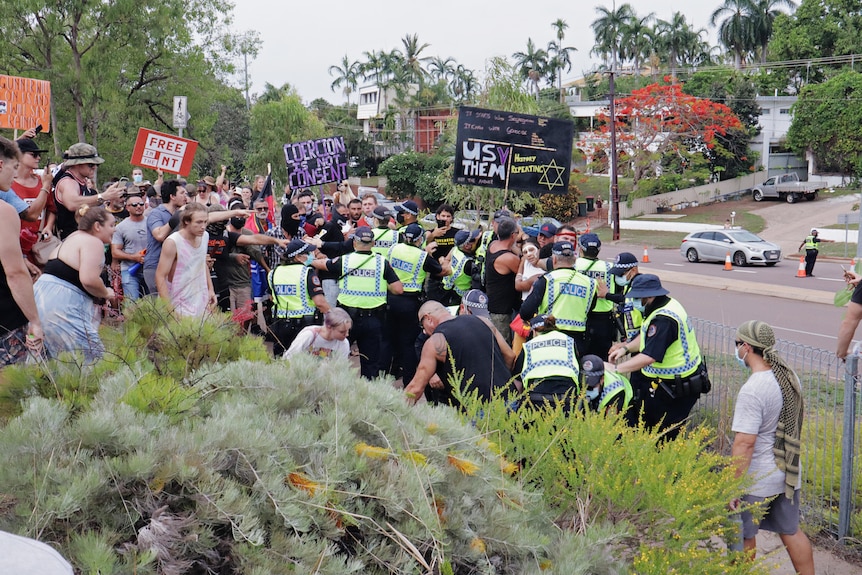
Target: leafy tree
826	121
402	172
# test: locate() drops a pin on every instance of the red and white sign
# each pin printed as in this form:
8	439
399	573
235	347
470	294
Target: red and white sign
169	153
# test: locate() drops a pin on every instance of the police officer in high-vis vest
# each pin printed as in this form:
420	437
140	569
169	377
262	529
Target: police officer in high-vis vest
548	365
566	294
812	248
667	371
364	280
412	265
607	391
628	319
384	236
601	326
297	295
462	261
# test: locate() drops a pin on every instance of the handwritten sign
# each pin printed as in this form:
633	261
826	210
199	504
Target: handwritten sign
24	103
515	151
170	153
315	162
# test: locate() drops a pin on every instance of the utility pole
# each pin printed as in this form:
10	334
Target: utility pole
615	189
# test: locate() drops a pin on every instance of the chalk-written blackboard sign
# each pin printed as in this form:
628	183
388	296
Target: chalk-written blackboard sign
316	162
513	151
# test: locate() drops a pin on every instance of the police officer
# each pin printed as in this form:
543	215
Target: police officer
548	365
624	270
600	322
811	245
406	213
566	294
667	370
297	295
412	265
607	390
384	237
364	279
462	261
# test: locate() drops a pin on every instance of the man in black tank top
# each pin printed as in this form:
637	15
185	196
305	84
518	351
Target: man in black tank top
71	190
471	343
501	267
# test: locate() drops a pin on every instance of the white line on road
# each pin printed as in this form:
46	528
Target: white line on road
831	279
745	271
804	332
675	265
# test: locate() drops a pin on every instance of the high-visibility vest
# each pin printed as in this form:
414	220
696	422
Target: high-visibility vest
632	318
362	284
683	357
384	239
810	244
458	280
408	262
601	272
568	297
289	285
482	253
615	384
548	355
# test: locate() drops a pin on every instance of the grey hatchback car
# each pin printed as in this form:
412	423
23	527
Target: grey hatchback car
743	246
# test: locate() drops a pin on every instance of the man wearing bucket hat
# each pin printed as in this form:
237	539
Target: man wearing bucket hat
71	190
667	371
548	364
297	295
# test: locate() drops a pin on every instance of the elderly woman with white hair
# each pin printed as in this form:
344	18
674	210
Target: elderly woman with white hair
327	340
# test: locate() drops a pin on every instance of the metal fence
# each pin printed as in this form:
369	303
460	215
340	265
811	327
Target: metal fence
832	431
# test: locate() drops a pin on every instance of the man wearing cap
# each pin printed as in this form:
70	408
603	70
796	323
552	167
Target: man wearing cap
364	279
297	295
384	236
607	390
601	327
462	262
35	190
546	234
624	270
467	345
548	364
811	245
412	265
565	294
71	190
406	213
667	371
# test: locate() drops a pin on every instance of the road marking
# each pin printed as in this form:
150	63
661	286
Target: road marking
745	271
804	332
831	279
675	265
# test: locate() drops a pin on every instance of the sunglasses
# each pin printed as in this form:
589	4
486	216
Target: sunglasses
261	209
135	205
738	343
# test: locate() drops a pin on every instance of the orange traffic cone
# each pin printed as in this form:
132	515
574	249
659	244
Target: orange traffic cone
800	273
728	265
646	256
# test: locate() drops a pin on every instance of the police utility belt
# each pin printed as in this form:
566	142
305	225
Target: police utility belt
355	312
683	387
299	320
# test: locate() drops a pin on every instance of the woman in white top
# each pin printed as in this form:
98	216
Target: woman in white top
327	340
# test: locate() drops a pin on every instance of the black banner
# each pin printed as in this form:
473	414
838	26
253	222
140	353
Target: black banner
506	150
316	162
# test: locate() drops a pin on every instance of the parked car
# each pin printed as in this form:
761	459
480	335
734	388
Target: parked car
744	248
787	187
531	224
382	200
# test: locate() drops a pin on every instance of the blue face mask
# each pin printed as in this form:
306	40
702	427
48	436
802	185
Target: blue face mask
593	393
741	360
638	304
308	259
621	280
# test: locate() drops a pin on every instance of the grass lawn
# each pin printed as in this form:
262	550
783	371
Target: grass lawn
651	239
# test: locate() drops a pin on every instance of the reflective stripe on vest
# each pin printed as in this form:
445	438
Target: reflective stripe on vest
548	355
458	280
601	272
289	285
810	244
568	296
682	358
632	318
408	262
362	284
615	384
384	239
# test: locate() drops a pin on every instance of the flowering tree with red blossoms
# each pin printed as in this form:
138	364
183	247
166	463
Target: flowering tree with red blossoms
660	119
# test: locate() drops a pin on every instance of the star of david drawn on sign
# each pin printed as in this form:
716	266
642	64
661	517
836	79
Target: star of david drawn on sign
558	172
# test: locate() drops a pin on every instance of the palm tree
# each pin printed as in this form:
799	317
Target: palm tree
608	31
347	74
674	39
736	31
463	83
441	69
532	64
373	66
559	55
636	42
411	60
764	14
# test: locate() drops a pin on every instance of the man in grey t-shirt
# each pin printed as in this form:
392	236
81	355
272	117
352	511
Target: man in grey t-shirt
128	246
24	556
765	450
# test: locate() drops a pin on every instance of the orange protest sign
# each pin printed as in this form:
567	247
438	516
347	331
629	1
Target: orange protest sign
170	153
24	103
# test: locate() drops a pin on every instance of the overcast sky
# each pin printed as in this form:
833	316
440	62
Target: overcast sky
302	39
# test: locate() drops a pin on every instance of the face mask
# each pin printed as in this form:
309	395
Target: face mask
308	259
638	304
622	280
741	360
593	393
138	178
399	218
238	223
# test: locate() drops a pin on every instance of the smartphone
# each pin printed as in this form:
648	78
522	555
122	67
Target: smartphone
124	179
39	128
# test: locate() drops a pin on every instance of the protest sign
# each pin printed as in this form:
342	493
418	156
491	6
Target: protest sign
315	162
24	103
513	151
170	153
